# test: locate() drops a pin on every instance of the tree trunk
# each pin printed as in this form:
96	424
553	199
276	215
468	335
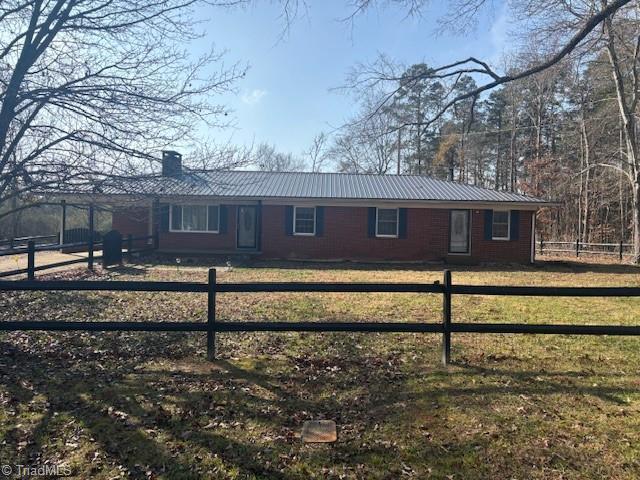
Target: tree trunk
513	165
627	108
499	166
636	221
419	139
586	204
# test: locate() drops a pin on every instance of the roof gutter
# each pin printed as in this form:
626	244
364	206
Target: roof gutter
124	199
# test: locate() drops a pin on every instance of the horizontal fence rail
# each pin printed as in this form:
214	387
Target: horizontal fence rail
619	249
362	327
108	286
546	291
308	287
194	287
10	244
447	289
379	327
50	247
90	247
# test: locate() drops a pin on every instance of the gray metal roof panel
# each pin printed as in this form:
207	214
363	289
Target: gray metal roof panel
251	184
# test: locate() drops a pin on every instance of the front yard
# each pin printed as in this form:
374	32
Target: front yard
148	405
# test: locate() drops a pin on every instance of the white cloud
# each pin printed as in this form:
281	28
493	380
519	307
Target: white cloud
253	97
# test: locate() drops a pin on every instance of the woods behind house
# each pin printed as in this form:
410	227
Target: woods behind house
556	118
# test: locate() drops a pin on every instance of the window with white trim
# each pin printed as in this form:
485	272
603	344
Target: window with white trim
304	220
195	218
386	222
501	225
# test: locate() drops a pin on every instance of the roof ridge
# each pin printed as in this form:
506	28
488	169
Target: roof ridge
387	175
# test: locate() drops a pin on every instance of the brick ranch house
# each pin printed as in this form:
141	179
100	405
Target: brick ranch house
325	216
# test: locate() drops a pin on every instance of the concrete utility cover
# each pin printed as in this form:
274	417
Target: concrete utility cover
319	431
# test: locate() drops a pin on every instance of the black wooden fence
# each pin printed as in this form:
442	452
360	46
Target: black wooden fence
11	243
90	246
619	249
446	328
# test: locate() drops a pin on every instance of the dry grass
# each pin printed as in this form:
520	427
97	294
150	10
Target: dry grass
147	405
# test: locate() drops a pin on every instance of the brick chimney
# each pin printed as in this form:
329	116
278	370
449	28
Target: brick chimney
171	164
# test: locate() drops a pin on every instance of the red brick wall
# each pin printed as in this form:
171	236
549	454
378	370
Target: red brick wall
133	221
345	237
500	250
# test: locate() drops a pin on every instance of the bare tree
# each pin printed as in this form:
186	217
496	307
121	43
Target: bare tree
366	144
268	159
92	89
623	43
578	32
317	153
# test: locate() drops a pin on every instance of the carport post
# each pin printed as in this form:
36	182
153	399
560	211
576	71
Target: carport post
211	315
90	254
446	319
31	260
63	221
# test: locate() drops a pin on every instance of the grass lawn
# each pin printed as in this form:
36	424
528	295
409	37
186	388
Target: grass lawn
148	405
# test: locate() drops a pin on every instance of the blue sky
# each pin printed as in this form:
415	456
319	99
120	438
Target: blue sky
286	97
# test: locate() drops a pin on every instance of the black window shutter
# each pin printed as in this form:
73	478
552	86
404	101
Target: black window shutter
259	233
223	218
319	221
488	224
402	223
163	211
371	222
515	225
288	220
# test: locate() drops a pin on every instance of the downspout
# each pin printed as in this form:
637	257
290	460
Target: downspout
533	236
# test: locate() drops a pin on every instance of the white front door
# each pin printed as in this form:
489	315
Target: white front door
247	220
459	231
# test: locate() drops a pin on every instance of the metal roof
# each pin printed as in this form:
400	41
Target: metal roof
282	185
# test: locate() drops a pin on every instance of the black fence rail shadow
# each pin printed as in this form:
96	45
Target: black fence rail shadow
104	405
548	264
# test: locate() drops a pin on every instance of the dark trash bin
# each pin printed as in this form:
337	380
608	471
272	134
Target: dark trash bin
112	248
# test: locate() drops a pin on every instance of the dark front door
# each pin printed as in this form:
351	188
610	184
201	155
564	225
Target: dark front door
247	226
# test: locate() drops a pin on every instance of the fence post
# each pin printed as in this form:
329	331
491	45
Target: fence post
63	221
541	244
90	254
129	248
211	315
577	247
156	239
446	319
620	250
31	260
